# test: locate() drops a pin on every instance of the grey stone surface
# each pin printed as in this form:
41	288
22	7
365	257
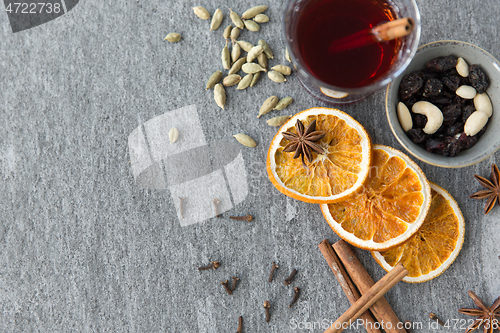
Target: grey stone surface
84	249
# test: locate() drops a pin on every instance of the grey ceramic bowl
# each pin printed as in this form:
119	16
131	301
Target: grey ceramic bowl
489	141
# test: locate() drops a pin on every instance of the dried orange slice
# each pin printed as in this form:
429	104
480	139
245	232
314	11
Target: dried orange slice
339	171
388	209
435	246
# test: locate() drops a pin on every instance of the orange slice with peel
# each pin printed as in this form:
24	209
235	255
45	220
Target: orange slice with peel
339	171
389	208
435	246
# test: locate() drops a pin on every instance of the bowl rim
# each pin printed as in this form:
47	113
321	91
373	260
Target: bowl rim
408	149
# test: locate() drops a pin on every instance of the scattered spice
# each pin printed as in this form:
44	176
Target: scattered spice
433	316
216	203
247	218
235	280
225	284
296	292
213	264
273	268
266	309
303	142
488	317
289	279
492	191
240	324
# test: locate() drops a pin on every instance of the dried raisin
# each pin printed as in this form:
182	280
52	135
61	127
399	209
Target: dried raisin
468	110
451	113
451	82
478	79
435	146
432	88
442	64
416	135
411	84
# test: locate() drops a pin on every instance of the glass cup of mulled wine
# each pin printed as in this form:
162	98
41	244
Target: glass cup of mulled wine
319	37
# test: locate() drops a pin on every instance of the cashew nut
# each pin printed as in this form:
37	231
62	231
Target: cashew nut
475	123
482	103
404	117
433	114
462	67
466	92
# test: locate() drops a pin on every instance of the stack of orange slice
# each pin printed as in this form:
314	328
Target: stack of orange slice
373	196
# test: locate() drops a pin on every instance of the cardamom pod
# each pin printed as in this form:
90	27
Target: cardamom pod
236	19
267	49
278	121
251	25
285	70
201	12
261	18
268	105
252	12
227	32
254	53
245	82
262	59
235	52
246	46
173	37
252	68
231	80
255	79
237	65
220	95
173	134
287	55
235	33
226	59
245	140
276	76
214	79
216	20
283	103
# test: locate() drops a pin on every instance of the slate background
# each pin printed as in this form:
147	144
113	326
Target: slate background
83	249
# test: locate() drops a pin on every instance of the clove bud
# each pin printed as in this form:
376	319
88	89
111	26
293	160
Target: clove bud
295	296
235	280
271	274
433	316
247	218
225	284
240	324
266	308
289	279
213	264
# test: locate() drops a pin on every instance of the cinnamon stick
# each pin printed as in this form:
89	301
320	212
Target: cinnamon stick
381	309
368	299
387	33
346	283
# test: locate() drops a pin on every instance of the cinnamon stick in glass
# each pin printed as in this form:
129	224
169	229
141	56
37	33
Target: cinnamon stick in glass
368	299
345	282
381	309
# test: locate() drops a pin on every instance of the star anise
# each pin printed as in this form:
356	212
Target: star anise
492	191
486	316
303	142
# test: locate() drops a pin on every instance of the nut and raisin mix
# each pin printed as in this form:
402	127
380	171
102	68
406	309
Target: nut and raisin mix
438	84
